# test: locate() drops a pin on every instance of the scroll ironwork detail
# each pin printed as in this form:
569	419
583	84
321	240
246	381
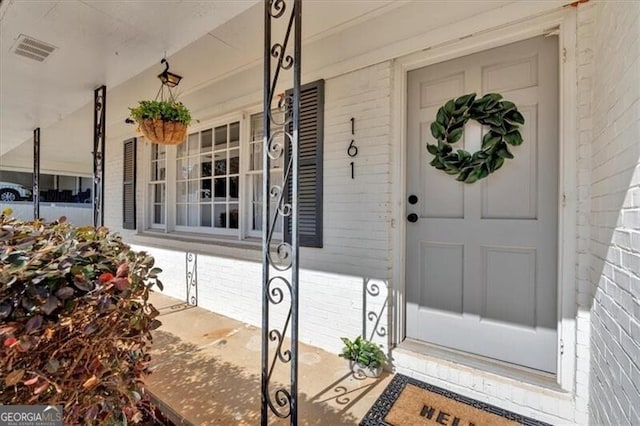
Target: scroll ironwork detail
191	261
280	258
371	322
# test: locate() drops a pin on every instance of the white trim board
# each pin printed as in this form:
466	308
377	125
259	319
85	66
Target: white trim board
562	23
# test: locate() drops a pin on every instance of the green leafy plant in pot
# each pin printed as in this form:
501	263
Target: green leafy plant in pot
162	121
365	357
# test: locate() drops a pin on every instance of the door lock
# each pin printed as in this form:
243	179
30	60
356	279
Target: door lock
413	199
412	218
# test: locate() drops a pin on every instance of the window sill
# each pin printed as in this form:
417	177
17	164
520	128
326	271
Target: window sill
248	249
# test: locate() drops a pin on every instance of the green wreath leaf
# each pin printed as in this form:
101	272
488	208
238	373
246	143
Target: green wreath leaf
437	130
514	138
504	121
455	135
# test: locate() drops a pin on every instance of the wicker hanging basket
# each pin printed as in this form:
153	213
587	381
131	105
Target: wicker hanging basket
163	132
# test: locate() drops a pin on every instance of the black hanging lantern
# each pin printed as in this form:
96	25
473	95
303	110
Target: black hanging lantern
167	78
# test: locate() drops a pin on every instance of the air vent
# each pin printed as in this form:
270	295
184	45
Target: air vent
31	48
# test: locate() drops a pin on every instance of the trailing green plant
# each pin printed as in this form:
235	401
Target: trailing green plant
363	352
169	110
75	322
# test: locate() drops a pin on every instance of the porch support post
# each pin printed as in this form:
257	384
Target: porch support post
99	114
280	258
36	174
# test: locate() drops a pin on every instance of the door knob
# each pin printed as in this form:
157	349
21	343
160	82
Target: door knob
413	199
412	218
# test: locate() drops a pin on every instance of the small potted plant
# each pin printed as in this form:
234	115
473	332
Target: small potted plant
365	357
163	121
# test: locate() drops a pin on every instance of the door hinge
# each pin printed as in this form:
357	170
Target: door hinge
564	55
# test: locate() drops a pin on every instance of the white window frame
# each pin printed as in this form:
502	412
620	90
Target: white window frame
248	207
149	194
172	159
245	221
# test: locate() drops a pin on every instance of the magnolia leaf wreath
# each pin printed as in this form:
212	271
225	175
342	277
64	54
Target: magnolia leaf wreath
503	119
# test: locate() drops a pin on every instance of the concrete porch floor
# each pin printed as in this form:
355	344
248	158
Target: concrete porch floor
206	368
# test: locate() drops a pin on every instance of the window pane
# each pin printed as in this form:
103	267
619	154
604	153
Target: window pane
234	161
205	170
255	156
220	189
158	152
182	148
234	134
206	140
158	214
220	163
257	188
181	214
256	127
181	192
205	189
233	188
193	212
159	170
158	193
182	171
205	215
194	191
221	137
257	217
194	143
220	215
233	216
194	167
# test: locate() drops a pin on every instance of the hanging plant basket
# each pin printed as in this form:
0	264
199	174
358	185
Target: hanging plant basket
163	121
163	132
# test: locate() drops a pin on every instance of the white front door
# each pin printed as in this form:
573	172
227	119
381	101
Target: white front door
482	257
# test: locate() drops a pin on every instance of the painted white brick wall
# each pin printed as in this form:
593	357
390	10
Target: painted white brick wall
356	255
584	290
614	246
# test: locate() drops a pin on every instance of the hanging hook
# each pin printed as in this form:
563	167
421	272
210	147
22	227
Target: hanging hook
166	65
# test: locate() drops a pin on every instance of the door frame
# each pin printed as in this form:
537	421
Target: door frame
562	23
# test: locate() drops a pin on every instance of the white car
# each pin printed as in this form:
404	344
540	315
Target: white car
13	192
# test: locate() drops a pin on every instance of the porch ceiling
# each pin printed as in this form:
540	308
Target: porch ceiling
98	42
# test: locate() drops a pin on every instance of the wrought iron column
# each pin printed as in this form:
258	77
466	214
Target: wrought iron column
280	258
36	174
99	114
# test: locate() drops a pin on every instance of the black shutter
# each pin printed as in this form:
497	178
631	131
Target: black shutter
129	185
310	173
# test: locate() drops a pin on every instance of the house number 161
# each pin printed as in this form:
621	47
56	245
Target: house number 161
352	150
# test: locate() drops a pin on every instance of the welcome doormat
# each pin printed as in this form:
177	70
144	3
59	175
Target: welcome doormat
410	402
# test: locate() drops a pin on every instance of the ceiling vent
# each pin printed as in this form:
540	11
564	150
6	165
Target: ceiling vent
31	48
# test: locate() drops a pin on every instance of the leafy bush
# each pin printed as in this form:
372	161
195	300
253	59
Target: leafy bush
363	352
75	320
163	110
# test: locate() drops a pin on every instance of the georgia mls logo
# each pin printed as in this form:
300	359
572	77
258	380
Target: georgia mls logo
30	415
53	408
